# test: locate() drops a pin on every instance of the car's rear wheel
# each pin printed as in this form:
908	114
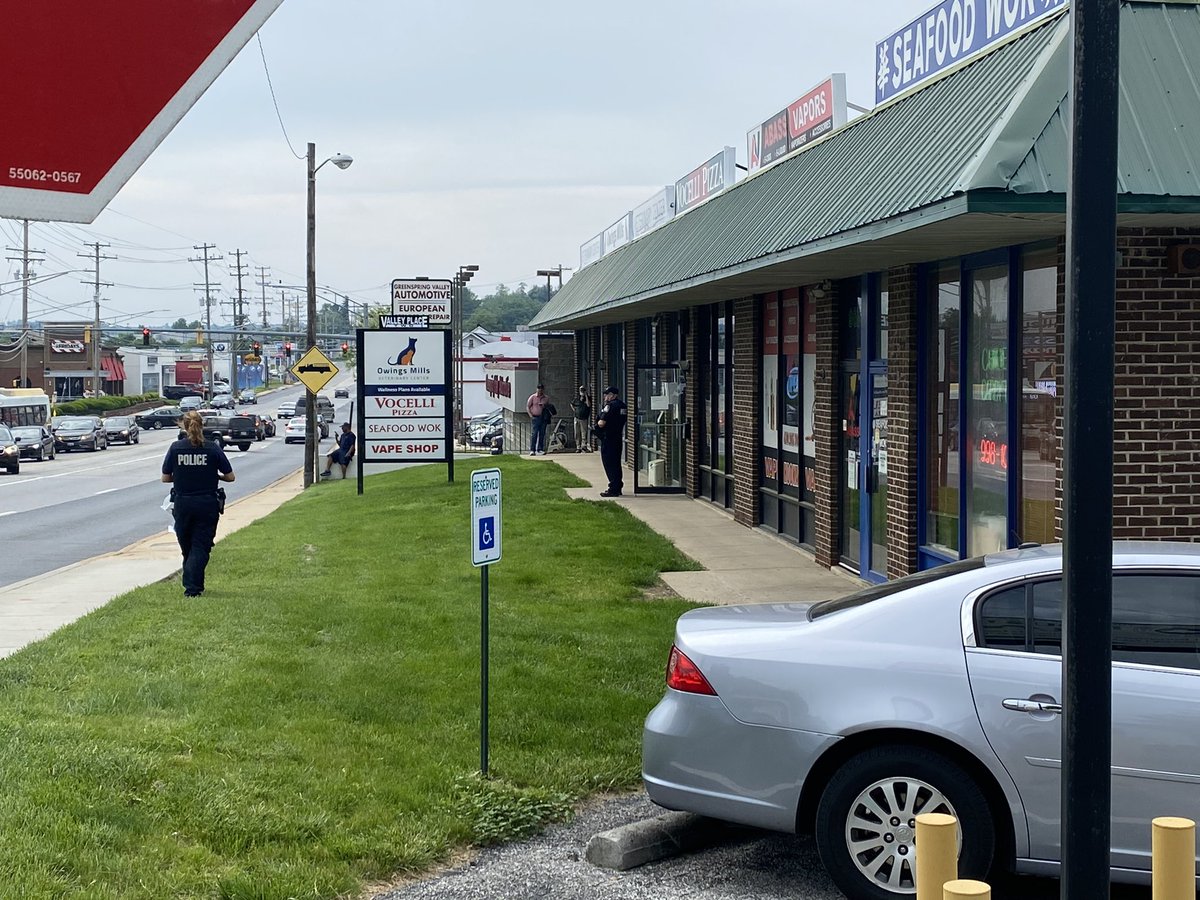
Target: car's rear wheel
866	820
243	447
157	425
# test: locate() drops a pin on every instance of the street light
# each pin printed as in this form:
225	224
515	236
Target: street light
548	273
465	274
342	161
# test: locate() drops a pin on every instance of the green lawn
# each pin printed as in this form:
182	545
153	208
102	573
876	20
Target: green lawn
312	722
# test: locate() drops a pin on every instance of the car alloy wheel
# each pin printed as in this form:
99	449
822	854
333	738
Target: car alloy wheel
866	820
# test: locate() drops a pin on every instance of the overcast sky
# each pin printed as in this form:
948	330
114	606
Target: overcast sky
498	134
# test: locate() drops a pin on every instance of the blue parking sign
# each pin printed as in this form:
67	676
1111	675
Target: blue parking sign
487	533
485	517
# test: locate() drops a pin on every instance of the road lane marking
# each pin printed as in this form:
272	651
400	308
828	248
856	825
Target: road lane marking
109	491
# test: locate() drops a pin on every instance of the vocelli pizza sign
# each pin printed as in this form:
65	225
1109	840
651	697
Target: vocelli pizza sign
404	395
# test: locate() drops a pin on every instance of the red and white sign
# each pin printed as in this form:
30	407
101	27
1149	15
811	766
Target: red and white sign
814	115
97	86
405	395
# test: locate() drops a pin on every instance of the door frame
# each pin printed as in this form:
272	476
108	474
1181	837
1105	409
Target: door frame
679	429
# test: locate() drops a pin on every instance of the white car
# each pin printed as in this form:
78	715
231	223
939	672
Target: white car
294	431
286	410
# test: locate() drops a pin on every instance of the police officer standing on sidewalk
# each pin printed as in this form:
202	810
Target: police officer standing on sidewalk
193	467
610	427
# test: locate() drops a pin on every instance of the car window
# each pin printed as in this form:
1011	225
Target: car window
5	434
1156	619
879	591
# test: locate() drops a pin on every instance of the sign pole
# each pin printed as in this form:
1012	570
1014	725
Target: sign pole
362	416
449	395
486	529
483	670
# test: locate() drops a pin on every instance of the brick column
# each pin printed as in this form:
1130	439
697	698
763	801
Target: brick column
827	425
746	413
631	358
693	408
903	504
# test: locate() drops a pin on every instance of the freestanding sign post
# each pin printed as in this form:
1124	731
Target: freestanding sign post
403	397
485	550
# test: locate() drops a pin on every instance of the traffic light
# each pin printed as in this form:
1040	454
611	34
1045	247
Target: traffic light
287	348
257	348
145	337
345	348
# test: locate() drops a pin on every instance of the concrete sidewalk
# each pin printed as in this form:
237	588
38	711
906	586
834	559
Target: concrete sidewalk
741	565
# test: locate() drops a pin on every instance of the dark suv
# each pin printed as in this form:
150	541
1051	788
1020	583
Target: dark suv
224	430
240	430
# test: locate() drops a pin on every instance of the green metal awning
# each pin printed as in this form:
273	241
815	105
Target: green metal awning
972	161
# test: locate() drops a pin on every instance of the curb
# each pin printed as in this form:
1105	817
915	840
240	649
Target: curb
650	840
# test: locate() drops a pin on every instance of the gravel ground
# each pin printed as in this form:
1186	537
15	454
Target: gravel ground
749	865
745	865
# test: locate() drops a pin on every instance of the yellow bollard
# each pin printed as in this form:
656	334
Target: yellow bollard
937	854
1173	850
966	890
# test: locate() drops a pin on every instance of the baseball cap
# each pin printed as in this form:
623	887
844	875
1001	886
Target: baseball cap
611	390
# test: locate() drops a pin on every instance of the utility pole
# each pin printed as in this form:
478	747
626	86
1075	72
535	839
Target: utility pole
96	284
206	259
25	275
239	270
263	274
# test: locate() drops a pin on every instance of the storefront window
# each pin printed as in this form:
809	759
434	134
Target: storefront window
1039	388
987	412
941	419
880	329
852	313
716	459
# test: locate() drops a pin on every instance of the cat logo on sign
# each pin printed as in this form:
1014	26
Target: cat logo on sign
314	369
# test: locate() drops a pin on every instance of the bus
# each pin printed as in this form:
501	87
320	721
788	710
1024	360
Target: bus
24	406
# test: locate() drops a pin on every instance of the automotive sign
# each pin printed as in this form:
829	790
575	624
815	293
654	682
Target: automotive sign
949	33
406	408
420	297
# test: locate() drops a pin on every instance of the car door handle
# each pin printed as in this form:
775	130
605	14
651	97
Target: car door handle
1032	706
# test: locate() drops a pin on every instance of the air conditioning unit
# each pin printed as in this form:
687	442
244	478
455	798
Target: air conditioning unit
1184	259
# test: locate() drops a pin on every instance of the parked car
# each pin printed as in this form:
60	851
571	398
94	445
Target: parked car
10	454
222	401
80	433
190	402
33	441
180	391
286	409
341	392
248	396
162	417
937	692
122	428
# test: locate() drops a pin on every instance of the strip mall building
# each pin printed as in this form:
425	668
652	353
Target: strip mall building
860	346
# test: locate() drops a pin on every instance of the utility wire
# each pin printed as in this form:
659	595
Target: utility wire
278	114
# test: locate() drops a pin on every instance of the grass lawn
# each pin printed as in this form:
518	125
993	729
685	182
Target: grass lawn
312	722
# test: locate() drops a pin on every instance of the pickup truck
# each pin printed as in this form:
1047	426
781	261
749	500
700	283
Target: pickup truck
223	430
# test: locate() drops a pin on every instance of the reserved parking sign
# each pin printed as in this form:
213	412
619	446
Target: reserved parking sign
485	517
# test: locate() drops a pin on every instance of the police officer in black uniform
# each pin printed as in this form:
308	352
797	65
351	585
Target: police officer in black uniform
610	427
194	466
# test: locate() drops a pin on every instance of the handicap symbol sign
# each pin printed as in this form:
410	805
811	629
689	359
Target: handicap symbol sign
487	533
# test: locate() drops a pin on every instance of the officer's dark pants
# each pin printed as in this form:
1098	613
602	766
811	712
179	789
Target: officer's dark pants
610	455
195	529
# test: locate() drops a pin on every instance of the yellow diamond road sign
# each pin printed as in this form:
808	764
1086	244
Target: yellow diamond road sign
314	369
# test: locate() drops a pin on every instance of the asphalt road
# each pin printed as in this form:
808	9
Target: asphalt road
82	504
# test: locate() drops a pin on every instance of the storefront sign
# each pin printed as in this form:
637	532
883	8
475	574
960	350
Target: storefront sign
706	180
617	234
817	113
949	33
418	297
403	378
61	346
654	212
590	251
386	321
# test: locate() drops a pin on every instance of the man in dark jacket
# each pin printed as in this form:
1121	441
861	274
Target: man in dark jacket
610	427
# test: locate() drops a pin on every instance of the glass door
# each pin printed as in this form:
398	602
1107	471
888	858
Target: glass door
659	423
852	465
876	474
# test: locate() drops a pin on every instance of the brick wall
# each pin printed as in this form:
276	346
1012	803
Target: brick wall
747	414
902	500
556	358
827	424
631	358
1156	451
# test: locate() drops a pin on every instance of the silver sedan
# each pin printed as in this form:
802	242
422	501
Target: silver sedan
938	692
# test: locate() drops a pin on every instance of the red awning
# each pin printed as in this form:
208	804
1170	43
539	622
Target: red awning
112	365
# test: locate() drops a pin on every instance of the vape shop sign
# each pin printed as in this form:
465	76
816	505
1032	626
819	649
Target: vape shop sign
404	410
